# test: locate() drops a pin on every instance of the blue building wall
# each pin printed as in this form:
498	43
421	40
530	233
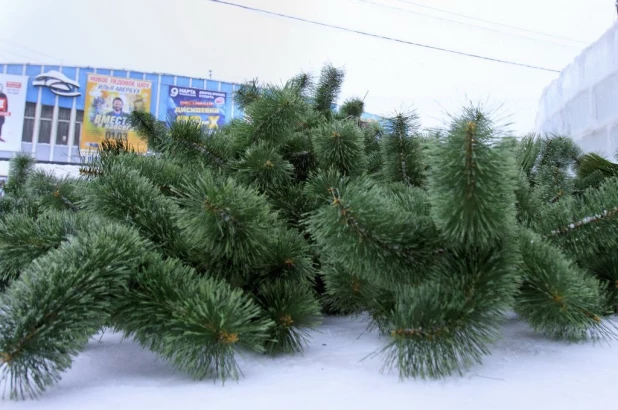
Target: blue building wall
46	109
47	102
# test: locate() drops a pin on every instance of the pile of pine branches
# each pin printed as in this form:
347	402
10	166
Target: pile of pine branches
240	239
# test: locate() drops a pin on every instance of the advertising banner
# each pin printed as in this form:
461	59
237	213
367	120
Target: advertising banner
109	101
193	104
12	109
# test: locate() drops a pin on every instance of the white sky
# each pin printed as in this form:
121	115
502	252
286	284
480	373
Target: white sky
190	37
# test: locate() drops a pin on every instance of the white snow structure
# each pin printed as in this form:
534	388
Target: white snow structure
56	169
582	103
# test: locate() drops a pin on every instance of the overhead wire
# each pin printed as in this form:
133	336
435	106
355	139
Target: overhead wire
4	51
382	37
38	54
491	22
465	24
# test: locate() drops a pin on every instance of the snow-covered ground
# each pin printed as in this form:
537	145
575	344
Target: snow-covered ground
525	371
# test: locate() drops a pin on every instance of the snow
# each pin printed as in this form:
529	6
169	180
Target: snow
525	371
58	170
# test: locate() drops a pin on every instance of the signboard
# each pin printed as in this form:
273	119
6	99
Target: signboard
193	104
109	101
12	108
58	83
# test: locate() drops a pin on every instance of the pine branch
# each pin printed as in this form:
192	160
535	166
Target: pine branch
187	138
472	183
289	260
299	151
340	145
61	300
52	192
162	171
556	297
445	326
203	150
583	226
346	292
263	167
247	94
592	162
258	131
20	168
587	220
124	196
364	234
401	150
372	235
23	238
201	322
303	83
605	268
294	312
352	108
229	221
328	89
350	293
527	153
271	119
149	129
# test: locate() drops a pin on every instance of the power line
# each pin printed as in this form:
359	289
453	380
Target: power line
27	58
466	24
272	13
491	22
26	49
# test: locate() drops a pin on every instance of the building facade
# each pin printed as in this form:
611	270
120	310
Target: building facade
60	114
57	112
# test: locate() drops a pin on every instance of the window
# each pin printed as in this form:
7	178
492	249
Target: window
28	131
79	119
62	128
45	129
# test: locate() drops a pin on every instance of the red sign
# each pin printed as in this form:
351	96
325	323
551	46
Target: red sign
13	84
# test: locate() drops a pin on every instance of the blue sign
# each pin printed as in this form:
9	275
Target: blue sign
193	104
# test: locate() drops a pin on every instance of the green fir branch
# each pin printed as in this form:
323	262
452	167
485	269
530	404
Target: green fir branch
328	89
201	322
61	299
365	231
21	167
472	183
557	298
340	145
248	93
401	150
23	238
124	196
263	167
447	325
294	312
229	221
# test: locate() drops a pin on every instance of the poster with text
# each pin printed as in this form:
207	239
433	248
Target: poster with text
193	104
12	109
109	101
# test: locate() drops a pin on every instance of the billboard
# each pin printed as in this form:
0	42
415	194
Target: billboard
109	101
194	104
13	90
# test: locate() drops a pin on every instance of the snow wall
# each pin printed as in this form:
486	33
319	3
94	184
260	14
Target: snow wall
56	169
583	101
